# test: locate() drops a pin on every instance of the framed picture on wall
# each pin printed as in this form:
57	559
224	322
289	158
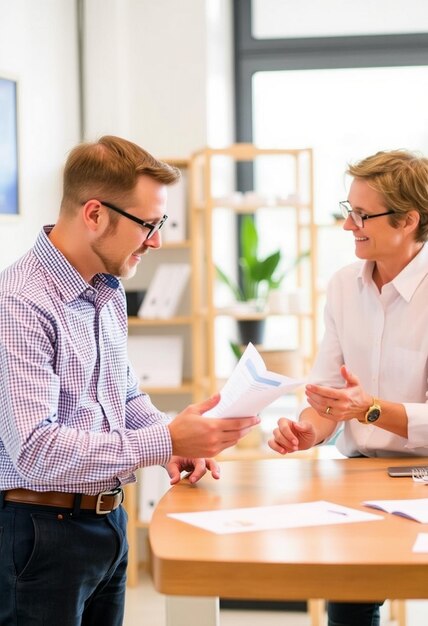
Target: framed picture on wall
9	188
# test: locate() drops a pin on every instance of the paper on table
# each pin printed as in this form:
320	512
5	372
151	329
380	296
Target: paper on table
421	543
251	387
415	509
318	513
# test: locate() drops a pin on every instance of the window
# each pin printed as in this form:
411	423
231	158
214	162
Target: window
334	85
278	19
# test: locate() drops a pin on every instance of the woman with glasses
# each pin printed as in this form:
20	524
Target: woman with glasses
368	385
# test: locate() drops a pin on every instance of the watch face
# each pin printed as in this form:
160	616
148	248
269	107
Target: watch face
373	415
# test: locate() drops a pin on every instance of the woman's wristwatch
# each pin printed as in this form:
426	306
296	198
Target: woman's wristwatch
373	414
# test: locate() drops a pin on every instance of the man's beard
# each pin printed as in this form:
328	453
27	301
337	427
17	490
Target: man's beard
117	268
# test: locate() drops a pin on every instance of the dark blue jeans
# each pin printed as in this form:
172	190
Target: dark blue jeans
353	614
57	569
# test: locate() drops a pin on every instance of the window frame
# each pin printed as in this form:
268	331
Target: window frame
255	55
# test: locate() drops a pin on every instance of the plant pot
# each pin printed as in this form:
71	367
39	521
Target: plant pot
251	330
286	362
293	302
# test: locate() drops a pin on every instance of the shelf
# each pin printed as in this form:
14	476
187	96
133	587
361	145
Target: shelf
176	245
242	316
180	162
136	322
262	315
248	152
335	224
186	387
253	208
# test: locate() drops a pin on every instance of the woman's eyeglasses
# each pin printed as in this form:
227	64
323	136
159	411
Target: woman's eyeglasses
358	218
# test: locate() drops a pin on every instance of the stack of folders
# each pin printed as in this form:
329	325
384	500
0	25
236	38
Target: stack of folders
175	226
165	291
154	483
157	360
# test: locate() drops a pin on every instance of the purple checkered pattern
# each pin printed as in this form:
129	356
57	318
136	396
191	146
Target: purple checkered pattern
71	416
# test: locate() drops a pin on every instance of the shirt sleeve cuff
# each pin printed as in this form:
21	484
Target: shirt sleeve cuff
155	444
417	416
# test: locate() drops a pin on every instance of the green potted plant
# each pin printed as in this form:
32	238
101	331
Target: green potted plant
259	276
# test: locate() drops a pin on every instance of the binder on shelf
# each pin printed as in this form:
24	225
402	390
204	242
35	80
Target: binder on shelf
174	229
178	277
157	360
165	291
150	305
154	484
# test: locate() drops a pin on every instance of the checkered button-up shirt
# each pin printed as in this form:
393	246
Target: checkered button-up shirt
71	416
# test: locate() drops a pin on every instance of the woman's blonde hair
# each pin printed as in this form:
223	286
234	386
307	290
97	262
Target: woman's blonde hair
401	177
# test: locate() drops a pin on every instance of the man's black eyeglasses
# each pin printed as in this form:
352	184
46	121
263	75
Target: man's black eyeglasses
358	218
152	228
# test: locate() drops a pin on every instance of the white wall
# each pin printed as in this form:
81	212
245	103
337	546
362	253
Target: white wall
38	47
158	72
220	90
149	67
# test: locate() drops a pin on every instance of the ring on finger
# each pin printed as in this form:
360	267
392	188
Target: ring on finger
328	410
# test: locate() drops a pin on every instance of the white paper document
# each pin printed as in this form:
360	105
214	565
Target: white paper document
421	543
303	514
415	509
251	387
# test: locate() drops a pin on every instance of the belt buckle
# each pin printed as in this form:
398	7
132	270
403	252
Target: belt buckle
118	498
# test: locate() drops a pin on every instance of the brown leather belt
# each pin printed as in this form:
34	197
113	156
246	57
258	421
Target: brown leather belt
103	503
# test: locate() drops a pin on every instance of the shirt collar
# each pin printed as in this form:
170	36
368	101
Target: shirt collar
71	284
407	281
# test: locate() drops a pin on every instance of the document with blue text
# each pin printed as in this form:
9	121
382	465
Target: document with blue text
251	387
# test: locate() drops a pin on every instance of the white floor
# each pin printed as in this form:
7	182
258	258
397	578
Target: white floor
145	607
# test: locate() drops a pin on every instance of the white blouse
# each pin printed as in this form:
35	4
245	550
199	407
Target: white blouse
383	339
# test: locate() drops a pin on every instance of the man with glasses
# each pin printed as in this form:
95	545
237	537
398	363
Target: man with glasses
369	381
74	426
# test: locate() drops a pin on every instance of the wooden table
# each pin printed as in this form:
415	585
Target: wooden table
357	561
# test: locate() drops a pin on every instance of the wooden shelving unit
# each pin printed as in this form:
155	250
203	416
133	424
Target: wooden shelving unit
204	205
138	322
133	528
199	318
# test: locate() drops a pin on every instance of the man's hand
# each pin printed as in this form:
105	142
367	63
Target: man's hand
291	436
195	436
196	468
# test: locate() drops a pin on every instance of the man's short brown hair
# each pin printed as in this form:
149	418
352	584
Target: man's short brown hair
109	168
